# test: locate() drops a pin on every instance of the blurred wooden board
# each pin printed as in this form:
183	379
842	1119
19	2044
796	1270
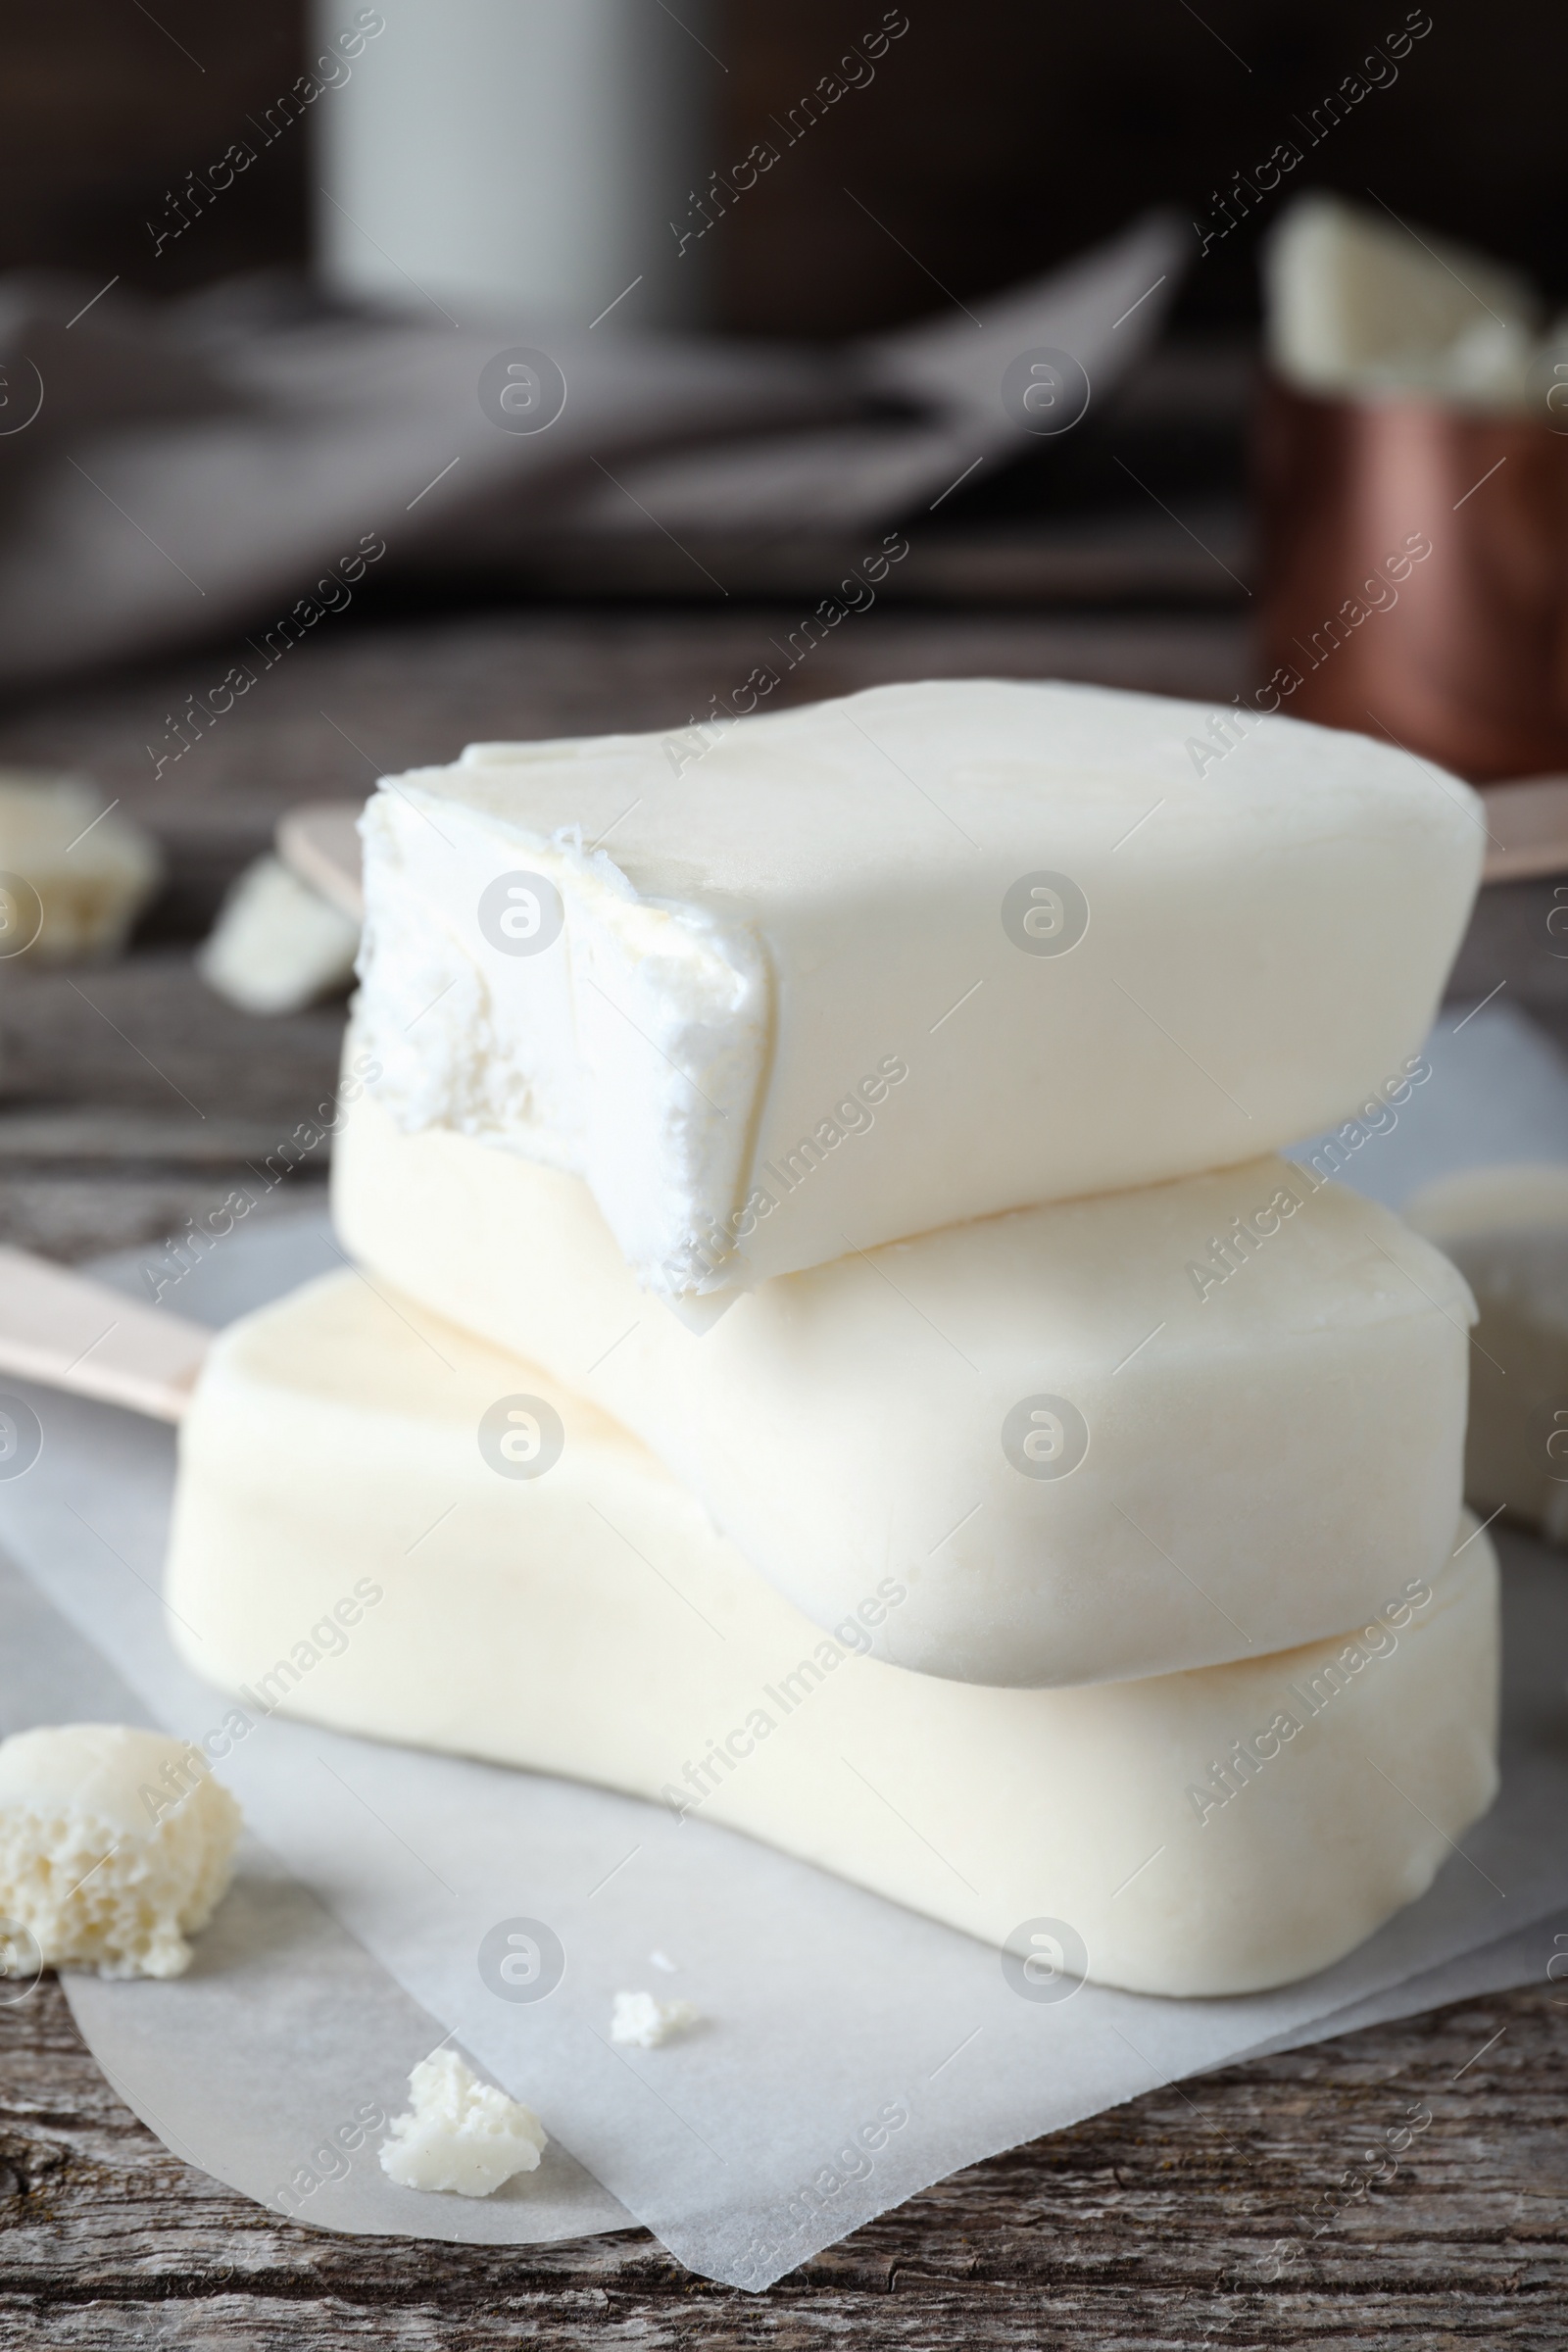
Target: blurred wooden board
132	1100
1134	556
352	702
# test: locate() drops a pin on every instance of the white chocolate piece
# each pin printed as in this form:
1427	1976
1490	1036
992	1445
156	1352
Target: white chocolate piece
277	945
645	2023
1243	1469
587	1620
461	2134
822	979
1506	1230
86	872
116	1845
1359	305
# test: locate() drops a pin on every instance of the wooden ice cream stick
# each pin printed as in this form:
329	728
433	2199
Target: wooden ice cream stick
319	842
69	1331
1527	823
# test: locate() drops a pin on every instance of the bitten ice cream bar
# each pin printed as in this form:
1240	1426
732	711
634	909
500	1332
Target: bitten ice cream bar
1108	1438
826	978
485	1563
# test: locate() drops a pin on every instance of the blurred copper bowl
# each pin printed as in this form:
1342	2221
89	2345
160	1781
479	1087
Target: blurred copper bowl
1464	658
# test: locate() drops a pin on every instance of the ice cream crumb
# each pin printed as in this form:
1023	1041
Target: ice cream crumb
116	1844
461	2134
645	2023
663	1961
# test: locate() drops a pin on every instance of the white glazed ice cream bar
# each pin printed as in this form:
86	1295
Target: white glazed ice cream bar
846	973
584	1617
1087	1450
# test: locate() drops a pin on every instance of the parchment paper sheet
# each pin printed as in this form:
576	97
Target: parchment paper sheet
265	2063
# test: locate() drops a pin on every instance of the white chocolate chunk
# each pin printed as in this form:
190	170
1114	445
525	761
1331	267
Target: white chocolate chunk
1506	1230
646	2023
817	980
594	1624
73	873
461	2134
116	1845
1360	305
277	945
1111	1438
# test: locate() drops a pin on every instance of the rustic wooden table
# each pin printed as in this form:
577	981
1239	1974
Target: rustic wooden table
1221	2211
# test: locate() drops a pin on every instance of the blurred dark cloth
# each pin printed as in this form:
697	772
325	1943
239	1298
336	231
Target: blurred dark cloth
240	458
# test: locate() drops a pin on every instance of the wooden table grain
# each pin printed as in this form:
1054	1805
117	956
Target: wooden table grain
1217	2212
1209	2213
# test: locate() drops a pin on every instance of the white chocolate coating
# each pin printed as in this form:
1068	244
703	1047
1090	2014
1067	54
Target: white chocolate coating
1263	1461
826	978
116	1844
589	1621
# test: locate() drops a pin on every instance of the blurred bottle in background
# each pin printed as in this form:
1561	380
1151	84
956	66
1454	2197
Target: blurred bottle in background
522	158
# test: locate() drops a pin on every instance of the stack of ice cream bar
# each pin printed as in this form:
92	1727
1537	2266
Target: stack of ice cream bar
831	1350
